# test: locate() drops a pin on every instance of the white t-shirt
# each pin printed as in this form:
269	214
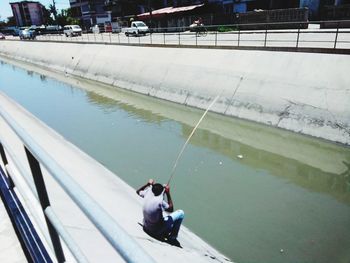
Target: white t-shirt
153	208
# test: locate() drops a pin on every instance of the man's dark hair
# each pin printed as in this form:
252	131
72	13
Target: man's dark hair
157	189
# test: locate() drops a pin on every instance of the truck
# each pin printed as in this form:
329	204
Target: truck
136	28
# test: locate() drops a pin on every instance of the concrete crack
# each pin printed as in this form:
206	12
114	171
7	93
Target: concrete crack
341	127
332	122
283	114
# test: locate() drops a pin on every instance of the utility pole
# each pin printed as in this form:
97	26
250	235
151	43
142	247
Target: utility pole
150	11
54	9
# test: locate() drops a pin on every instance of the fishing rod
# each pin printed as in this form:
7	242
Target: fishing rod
189	137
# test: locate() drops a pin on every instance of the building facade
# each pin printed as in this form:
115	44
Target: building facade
28	13
93	12
241	6
90	12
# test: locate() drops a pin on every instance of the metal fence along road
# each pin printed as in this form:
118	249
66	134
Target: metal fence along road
299	37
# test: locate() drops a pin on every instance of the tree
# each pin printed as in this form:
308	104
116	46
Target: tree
47	16
53	11
11	21
66	18
2	23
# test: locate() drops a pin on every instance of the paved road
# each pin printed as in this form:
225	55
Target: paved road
318	38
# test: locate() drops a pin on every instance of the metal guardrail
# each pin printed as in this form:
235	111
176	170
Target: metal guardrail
33	248
267	35
129	250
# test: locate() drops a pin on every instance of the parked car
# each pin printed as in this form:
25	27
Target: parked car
10	31
37	29
116	28
53	29
16	32
2	36
27	34
137	28
72	30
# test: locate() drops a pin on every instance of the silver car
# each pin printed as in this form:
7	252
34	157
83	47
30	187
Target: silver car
27	34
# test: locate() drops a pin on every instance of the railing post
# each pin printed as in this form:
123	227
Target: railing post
5	162
239	36
110	38
164	38
336	37
3	155
119	38
265	35
150	36
44	201
179	39
297	45
216	38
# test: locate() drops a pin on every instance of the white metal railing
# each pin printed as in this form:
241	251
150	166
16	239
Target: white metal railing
266	35
128	248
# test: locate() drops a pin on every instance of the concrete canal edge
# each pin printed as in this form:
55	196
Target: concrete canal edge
306	93
104	187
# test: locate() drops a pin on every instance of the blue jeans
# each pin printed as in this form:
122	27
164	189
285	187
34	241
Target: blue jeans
169	228
172	223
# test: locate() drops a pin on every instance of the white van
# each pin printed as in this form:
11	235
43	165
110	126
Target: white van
72	30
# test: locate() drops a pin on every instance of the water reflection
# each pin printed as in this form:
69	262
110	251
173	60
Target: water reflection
346	175
312	178
113	105
299	173
30	73
43	78
288	191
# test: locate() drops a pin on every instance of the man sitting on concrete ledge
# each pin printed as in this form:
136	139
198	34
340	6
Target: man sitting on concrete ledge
164	228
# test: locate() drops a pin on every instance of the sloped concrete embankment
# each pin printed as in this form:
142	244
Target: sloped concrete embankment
301	92
111	193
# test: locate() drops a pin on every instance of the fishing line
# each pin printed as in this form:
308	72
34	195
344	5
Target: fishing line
189	137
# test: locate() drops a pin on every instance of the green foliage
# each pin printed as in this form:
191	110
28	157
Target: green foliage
65	17
227	28
73	21
47	16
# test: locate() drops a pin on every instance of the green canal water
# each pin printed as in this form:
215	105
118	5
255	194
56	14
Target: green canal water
286	200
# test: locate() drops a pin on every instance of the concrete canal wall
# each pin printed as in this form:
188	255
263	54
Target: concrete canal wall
111	193
302	92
